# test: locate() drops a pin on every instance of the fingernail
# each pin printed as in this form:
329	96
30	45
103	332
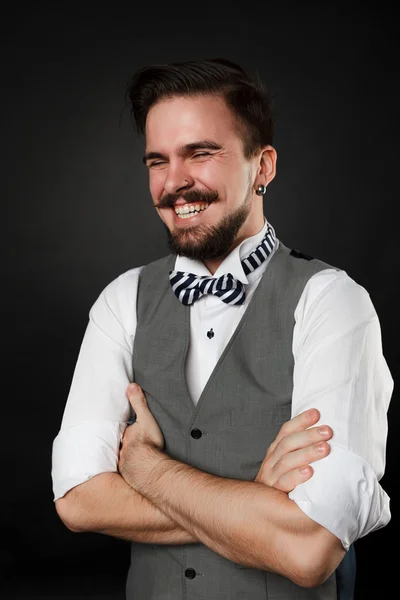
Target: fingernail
312	413
304	470
323	430
321	447
133	387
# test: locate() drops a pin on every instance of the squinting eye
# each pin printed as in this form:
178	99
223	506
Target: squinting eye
162	162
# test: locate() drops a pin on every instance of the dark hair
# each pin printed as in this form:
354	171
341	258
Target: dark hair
243	94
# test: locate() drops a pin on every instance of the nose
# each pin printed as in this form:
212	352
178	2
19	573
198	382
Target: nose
177	181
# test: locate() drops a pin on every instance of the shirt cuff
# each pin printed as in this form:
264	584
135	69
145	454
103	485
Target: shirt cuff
344	496
83	451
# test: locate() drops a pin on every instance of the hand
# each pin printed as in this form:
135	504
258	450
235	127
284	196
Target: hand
139	438
286	463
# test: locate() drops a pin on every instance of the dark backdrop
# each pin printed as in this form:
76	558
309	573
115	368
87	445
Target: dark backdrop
78	213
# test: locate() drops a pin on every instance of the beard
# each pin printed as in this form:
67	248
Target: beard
207	242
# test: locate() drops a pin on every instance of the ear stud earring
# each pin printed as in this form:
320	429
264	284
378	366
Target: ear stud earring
260	191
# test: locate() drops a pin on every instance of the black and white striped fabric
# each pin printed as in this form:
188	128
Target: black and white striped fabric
189	287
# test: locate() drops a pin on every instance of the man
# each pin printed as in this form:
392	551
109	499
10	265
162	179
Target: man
240	349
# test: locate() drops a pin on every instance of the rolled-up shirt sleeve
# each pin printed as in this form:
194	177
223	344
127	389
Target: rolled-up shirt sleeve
340	369
97	409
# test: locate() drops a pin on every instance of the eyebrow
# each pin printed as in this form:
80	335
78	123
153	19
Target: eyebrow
185	149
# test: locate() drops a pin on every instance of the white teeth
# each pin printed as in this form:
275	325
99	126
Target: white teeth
187	210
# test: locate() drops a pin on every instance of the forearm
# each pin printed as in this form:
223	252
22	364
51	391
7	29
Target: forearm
244	521
107	504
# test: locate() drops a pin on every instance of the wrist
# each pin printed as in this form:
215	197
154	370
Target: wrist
148	469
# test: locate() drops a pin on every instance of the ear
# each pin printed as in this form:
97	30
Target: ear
266	166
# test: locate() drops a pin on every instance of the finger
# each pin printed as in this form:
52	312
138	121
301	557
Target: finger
300	458
301	439
299	423
136	397
290	480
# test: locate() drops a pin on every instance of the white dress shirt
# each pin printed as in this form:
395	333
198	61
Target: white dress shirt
339	368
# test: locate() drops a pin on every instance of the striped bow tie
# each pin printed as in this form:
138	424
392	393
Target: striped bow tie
189	287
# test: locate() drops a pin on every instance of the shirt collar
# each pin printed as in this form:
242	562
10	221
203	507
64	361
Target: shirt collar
231	264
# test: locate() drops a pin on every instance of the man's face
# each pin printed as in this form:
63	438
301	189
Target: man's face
196	139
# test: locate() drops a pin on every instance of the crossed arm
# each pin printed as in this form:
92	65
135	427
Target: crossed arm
342	329
161	500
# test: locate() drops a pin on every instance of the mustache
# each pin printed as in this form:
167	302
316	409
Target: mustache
191	196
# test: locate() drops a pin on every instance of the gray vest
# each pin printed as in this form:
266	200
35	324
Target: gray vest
239	413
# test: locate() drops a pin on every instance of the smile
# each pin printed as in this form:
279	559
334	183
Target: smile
188	210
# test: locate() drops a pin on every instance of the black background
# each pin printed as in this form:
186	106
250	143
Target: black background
78	213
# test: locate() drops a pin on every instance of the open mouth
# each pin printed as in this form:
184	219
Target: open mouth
186	211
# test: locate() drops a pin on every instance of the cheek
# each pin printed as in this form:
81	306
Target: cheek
211	172
156	184
210	176
225	177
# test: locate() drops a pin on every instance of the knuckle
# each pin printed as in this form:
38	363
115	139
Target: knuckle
266	481
286	483
285	427
283	464
273	446
281	487
282	443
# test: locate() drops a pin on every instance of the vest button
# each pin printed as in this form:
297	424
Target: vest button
196	434
190	573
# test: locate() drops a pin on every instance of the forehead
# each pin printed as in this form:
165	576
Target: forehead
179	120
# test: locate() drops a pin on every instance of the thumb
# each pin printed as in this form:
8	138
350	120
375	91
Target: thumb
136	397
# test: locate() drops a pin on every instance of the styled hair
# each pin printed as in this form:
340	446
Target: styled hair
244	95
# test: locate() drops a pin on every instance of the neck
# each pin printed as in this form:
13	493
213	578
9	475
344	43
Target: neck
213	264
